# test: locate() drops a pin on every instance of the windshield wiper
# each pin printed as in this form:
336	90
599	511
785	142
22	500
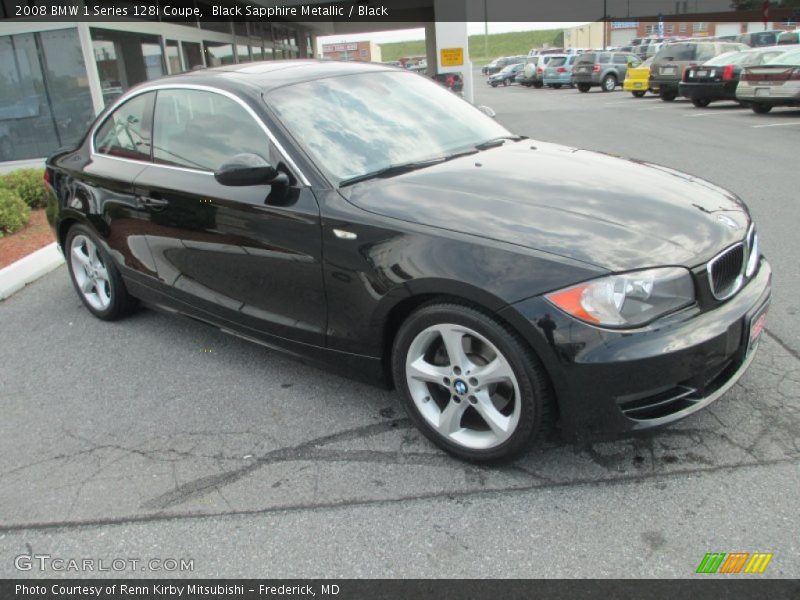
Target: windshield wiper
499	141
392	170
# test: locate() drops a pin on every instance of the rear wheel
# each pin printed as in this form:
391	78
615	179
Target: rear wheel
538	84
701	102
494	84
584	87
609	83
760	108
556	86
667	96
469	383
638	94
95	276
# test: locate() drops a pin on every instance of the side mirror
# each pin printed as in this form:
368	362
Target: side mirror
487	111
249	169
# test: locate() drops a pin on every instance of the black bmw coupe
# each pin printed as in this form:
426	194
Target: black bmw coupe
364	217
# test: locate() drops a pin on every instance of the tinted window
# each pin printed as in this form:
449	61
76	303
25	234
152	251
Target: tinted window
557	61
126	132
677	52
201	130
587	58
604	59
620	59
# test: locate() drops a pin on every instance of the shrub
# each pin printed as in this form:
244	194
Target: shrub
14	213
28	185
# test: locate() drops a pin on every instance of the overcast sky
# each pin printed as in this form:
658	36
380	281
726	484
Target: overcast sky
403	35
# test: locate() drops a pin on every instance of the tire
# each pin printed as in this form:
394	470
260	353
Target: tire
494	84
584	87
556	86
760	108
609	83
668	96
639	94
701	102
519	405
538	85
95	276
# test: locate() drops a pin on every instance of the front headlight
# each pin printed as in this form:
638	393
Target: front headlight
629	299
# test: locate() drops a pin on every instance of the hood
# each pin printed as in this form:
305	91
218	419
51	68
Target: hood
610	212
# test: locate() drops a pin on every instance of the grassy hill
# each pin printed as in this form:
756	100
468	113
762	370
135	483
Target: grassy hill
500	44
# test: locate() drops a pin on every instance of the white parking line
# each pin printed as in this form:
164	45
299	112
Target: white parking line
776	125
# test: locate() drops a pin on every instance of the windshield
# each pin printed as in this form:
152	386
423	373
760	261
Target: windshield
788	58
357	124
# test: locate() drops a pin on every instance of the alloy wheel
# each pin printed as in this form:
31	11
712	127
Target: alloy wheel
90	272
463	386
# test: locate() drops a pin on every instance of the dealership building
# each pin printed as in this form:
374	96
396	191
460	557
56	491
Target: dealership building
358	51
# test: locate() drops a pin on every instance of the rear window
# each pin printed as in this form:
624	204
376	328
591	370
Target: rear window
557	61
789	58
738	58
677	52
587	58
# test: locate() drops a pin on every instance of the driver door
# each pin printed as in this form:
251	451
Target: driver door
248	255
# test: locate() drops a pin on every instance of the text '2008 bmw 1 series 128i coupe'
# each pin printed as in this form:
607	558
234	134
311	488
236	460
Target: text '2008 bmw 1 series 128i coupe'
364	217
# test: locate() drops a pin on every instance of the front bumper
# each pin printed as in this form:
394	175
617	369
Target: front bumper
613	383
709	91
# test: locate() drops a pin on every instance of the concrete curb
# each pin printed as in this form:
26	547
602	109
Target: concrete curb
28	269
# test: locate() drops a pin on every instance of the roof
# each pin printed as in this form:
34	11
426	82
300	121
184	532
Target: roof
267	75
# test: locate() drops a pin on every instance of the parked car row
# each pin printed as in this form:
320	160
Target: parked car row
703	71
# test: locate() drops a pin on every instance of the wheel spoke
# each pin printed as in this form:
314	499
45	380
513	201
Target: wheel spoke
100	288
92	250
450	419
86	284
79	255
497	421
496	371
102	273
422	370
454	344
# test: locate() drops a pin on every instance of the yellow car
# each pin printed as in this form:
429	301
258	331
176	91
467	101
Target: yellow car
637	79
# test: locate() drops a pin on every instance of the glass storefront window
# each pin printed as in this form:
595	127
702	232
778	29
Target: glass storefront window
192	55
125	59
218	53
242	53
256	52
45	101
173	56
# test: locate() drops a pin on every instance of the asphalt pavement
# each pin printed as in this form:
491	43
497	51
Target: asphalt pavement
157	437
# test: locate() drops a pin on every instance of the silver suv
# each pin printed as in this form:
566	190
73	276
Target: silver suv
604	69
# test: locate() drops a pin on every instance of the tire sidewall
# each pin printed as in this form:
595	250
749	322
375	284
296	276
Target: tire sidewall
530	397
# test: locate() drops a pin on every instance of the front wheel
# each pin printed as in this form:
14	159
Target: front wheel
638	94
469	383
760	109
494	84
95	276
701	102
584	87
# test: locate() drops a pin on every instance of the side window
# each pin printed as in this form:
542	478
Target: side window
604	59
620	59
201	130
126	132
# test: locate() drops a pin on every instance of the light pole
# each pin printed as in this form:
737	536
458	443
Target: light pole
605	25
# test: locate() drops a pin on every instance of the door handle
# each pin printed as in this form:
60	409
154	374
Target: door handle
152	203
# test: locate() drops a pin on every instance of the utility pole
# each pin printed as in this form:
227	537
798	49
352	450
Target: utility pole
605	24
485	29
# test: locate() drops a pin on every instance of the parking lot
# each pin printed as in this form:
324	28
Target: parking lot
158	437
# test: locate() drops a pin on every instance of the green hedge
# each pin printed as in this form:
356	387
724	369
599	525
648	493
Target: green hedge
14	213
28	185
